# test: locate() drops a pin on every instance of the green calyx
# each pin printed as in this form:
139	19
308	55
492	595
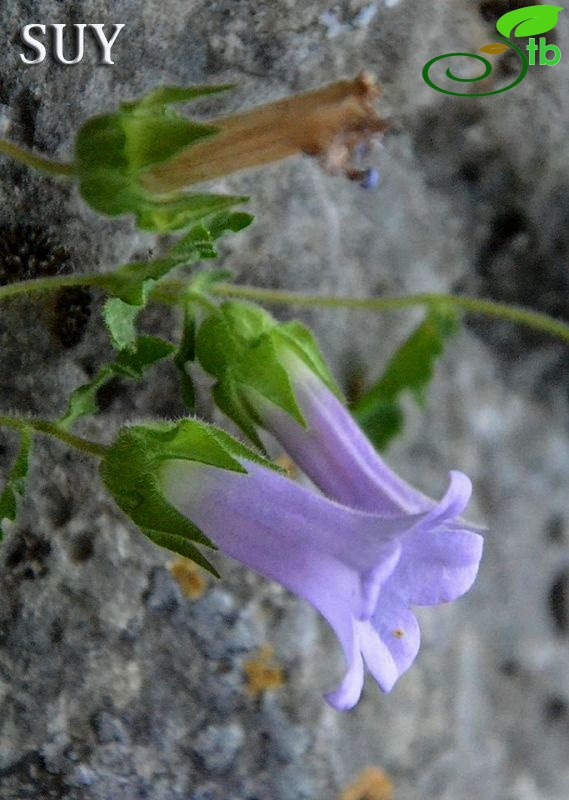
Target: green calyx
131	472
247	350
15	485
112	151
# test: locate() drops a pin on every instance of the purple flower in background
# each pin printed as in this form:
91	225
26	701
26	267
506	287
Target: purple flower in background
360	570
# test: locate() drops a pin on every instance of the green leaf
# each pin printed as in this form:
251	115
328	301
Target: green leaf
217	348
120	318
528	21
261	369
148	351
83	400
250	354
16	481
100	145
133	282
181	210
182	546
230	400
198	240
151	139
411	369
105	178
131	472
165	95
383	423
233	221
202	236
248	322
301	340
222	345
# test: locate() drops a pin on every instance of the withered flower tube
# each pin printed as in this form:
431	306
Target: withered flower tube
333	124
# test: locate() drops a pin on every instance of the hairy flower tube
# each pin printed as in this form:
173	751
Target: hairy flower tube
361	571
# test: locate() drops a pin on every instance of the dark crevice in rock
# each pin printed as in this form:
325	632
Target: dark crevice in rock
28	252
28	555
555	529
559	603
556	709
25	110
510	668
31	774
82	547
110	392
71	315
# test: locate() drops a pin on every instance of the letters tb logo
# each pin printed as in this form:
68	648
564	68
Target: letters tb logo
544	49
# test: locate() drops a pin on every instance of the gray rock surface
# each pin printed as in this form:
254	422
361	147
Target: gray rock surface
113	684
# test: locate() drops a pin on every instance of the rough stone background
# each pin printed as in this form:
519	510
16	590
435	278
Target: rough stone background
113	685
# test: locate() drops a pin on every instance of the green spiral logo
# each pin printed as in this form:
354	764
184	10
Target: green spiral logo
485	74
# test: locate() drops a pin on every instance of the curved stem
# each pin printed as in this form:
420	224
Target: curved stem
51	283
168	292
36	162
201	300
492	308
51	429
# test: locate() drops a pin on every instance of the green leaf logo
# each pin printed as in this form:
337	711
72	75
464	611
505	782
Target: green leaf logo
528	21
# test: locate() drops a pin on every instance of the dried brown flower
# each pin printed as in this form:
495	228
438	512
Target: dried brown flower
332	124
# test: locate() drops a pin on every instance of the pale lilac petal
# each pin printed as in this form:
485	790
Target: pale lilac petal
341	461
373	580
377	657
392	644
309	544
349	691
360	570
334	452
436	566
452	504
238	505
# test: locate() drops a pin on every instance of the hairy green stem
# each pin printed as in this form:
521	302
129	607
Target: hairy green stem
169	292
491	308
49	284
36	162
51	429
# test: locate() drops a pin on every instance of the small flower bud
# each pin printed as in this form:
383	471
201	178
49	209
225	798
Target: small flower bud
371	179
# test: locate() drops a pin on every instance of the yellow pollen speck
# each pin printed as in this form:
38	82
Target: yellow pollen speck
262	673
187	574
371	784
398	633
288	465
